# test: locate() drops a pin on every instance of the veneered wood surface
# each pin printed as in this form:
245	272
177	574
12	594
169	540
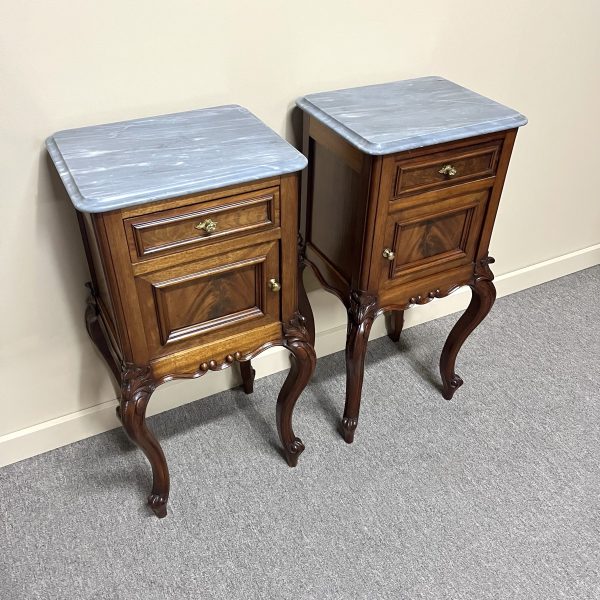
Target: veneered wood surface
176	229
435	228
416	175
193	302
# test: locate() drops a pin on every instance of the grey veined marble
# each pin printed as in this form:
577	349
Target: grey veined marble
403	115
133	162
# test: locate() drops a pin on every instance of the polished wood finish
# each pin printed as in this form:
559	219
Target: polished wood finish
421	174
396	325
482	299
384	233
137	385
248	374
170	301
362	310
173	230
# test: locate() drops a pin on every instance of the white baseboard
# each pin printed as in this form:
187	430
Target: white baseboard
330	318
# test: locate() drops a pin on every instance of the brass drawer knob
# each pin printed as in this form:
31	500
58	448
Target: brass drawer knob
207	225
274	285
389	254
448	170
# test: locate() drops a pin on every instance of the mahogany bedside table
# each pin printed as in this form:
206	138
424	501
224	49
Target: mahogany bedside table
189	223
398	205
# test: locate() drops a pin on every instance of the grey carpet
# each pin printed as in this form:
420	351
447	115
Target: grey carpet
493	495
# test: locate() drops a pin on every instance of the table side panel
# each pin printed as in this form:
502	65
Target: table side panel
336	204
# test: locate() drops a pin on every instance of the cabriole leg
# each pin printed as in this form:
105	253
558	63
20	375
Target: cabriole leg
362	309
303	360
396	325
137	386
482	300
248	374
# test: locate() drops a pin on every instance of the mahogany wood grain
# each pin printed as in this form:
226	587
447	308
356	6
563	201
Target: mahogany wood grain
417	175
137	386
431	237
482	299
436	228
206	299
176	303
362	309
303	361
176	229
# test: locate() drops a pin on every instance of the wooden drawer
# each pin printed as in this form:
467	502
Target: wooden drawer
444	169
168	231
431	238
205	300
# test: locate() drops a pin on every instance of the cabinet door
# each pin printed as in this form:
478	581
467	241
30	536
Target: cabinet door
204	300
431	237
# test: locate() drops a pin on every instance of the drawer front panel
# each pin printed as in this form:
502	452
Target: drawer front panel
445	169
203	223
433	237
205	300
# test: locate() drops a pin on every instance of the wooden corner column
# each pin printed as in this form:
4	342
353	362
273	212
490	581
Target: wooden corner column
195	282
398	205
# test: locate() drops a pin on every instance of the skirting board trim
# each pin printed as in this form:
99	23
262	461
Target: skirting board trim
331	336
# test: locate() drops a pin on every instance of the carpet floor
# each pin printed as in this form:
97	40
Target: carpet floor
493	495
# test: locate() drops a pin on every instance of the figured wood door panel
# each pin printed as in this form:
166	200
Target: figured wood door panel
200	301
433	237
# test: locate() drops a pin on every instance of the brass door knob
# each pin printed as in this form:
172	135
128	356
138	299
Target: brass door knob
274	285
448	170
389	254
207	225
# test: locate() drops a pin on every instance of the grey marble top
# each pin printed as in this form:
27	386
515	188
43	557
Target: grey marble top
134	162
403	115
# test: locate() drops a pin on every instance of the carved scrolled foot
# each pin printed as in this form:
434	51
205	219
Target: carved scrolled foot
158	504
348	429
482	299
451	386
248	375
293	451
137	386
301	370
362	309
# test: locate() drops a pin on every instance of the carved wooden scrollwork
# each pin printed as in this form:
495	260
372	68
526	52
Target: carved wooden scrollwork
362	309
482	299
137	385
297	340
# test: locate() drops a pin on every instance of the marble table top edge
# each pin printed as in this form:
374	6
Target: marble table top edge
216	151
409	138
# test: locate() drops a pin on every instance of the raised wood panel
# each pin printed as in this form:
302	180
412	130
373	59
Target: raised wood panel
176	229
422	240
331	219
208	300
203	300
432	237
422	174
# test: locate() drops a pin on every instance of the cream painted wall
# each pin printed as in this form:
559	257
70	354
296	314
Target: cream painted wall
67	64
